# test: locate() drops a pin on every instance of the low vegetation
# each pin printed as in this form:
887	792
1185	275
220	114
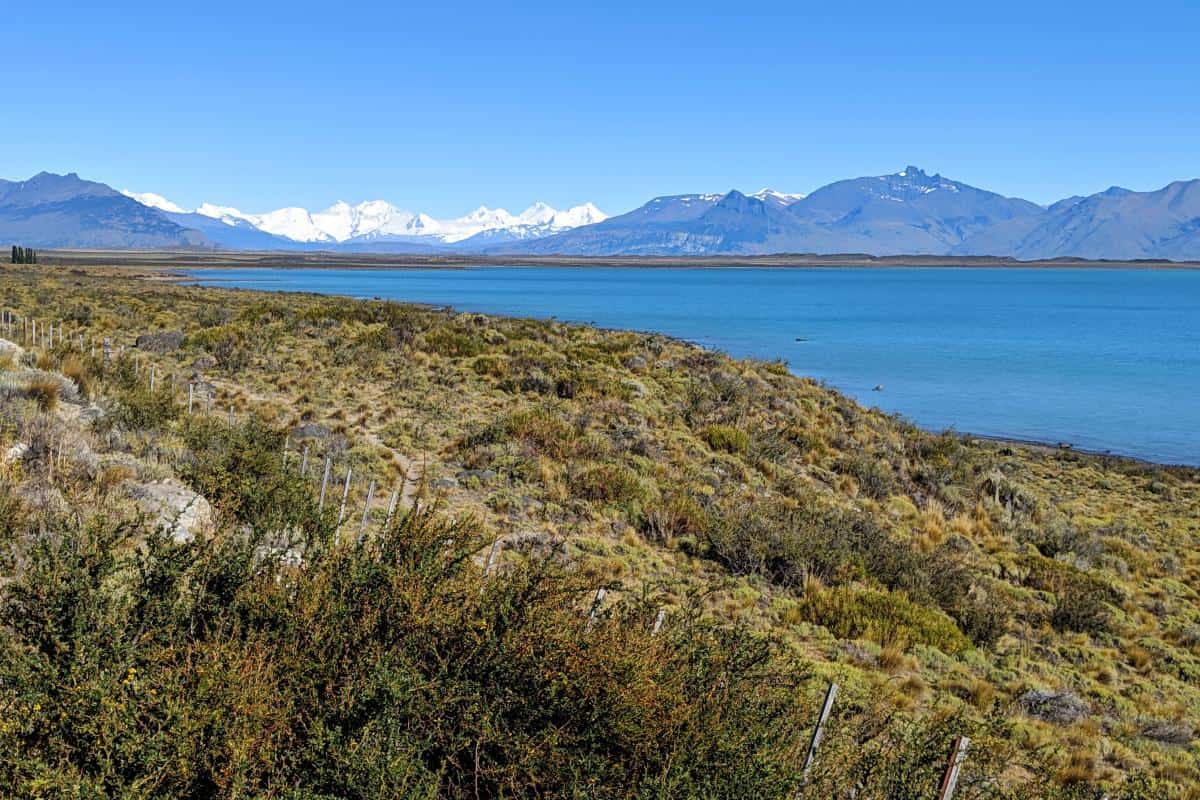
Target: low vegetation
1042	602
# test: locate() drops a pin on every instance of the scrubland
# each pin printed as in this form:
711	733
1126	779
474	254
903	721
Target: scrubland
1042	602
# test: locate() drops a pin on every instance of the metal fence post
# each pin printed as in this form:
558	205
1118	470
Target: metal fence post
819	730
957	756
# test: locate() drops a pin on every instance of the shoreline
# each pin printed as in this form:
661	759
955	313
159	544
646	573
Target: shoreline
1048	447
179	259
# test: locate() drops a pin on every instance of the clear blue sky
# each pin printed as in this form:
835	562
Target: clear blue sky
263	104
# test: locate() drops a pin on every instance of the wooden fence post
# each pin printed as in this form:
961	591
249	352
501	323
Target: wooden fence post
387	523
304	463
191	393
325	483
958	755
366	517
493	554
345	495
819	730
658	621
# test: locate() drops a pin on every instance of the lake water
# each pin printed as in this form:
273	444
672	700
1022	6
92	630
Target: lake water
1102	359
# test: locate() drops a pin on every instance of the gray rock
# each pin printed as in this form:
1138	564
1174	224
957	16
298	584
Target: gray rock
444	483
1168	731
1058	708
12	349
16	452
91	413
161	341
482	475
176	509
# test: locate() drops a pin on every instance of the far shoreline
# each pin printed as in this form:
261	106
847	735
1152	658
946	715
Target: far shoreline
237	259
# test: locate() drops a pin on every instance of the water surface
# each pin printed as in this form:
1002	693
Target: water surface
1103	359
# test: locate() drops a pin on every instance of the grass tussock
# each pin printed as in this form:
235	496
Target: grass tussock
45	391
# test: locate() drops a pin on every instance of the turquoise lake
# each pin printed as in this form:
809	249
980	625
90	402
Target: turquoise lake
1106	360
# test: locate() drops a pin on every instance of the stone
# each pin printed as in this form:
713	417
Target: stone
91	413
445	483
16	452
1168	731
1058	708
173	508
12	349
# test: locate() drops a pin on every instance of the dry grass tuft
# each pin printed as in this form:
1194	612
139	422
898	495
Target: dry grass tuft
46	391
75	368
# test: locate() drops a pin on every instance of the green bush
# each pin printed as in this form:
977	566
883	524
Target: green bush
385	670
240	469
874	475
609	483
726	438
233	345
851	612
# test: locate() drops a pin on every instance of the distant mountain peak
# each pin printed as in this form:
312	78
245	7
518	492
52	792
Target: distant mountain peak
778	198
154	201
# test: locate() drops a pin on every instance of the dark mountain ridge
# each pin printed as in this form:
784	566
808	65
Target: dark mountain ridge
66	211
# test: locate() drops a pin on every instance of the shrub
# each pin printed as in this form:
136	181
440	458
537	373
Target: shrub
233	345
446	341
726	438
240	470
874	476
610	483
851	612
1080	600
138	407
390	669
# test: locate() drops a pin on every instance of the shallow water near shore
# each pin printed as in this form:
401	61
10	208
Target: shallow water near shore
1104	359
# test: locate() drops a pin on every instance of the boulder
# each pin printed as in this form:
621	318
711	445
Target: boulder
11	350
1058	708
174	508
1168	731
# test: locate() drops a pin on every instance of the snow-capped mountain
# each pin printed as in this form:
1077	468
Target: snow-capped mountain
154	201
775	198
378	220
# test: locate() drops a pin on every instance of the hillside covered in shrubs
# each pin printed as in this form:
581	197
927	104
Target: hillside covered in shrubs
185	612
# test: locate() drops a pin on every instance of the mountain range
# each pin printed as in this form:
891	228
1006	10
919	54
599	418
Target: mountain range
908	212
374	223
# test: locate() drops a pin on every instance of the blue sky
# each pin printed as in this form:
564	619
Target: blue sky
441	107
